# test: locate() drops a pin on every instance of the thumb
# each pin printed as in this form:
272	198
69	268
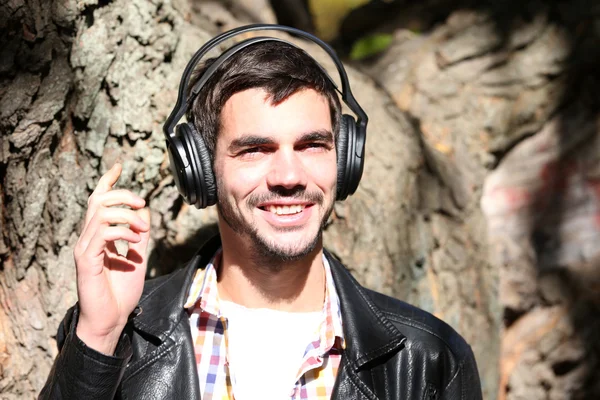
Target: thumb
141	247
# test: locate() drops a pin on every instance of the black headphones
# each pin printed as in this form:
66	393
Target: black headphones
189	158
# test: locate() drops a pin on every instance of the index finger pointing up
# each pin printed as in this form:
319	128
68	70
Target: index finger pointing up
107	180
104	185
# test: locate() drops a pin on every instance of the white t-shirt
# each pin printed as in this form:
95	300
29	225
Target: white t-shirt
266	348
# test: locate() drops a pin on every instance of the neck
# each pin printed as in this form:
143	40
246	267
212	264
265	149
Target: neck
294	286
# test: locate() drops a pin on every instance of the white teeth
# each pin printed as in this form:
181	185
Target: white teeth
286	210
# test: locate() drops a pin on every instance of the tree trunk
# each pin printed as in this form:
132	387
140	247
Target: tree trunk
508	96
84	84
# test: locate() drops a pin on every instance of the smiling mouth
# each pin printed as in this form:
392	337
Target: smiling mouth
284	210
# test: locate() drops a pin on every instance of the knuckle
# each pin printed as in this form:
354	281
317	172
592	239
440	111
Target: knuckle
78	251
90	218
101	229
128	193
93	201
103	213
128	196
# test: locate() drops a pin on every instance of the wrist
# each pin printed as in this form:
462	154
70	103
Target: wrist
104	342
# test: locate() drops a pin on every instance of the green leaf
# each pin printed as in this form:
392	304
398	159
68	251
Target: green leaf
370	45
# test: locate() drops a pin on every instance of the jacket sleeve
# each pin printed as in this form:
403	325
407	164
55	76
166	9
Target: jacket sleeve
465	384
80	372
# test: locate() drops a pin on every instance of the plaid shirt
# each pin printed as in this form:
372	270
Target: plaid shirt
316	375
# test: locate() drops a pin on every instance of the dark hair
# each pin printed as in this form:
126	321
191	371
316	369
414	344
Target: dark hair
279	68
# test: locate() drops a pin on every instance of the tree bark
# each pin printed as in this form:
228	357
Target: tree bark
508	97
84	84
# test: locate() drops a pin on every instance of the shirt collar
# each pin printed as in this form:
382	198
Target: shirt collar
331	327
204	287
204	294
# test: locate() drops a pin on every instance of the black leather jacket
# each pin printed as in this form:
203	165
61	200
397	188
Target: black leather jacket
393	350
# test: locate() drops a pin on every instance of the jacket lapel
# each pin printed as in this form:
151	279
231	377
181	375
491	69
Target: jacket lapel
369	335
166	297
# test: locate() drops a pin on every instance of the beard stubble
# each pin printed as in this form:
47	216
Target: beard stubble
264	252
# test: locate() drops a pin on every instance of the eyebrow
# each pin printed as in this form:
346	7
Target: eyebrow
321	135
250	141
246	141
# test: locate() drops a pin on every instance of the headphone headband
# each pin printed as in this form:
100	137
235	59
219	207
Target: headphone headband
181	104
191	161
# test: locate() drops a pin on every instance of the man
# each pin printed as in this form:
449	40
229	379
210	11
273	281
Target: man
262	311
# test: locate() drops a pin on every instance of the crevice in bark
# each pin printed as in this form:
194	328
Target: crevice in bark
564	367
88	11
79	125
176	207
106	88
511	315
168	58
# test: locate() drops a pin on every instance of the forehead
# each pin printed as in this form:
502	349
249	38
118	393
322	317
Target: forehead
252	112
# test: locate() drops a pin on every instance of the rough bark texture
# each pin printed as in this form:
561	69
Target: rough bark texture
475	135
508	97
84	84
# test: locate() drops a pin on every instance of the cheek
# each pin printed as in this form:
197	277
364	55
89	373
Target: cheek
240	181
324	172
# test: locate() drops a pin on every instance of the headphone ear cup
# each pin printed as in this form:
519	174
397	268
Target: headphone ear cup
346	125
210	186
201	190
179	161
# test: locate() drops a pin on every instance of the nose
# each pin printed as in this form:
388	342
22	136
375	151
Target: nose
286	171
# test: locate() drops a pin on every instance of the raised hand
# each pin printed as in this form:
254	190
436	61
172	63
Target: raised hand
109	285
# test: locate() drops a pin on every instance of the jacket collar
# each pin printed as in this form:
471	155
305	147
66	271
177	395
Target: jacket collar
165	296
369	335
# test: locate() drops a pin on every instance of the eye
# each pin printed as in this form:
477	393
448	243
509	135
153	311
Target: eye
315	146
252	152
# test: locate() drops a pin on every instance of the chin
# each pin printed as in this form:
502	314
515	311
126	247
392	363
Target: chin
287	246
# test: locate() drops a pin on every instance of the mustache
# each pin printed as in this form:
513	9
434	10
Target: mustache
300	194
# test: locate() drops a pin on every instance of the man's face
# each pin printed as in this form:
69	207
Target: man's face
276	171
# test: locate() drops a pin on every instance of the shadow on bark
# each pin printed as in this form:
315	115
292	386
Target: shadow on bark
165	258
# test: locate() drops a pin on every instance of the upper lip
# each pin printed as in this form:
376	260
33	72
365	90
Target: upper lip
290	202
